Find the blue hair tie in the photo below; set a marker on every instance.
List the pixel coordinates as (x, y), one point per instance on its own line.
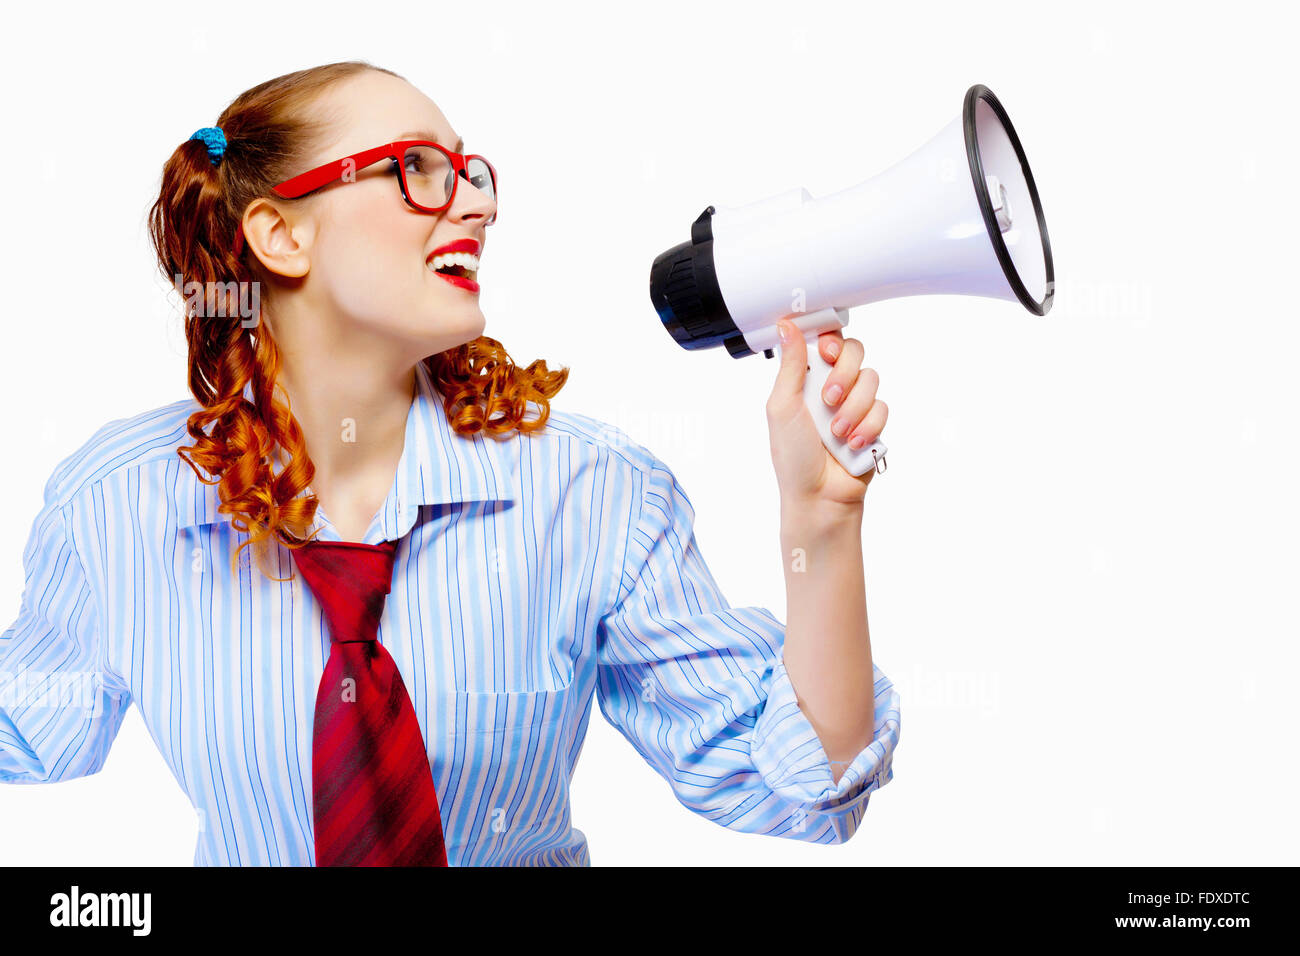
(214, 139)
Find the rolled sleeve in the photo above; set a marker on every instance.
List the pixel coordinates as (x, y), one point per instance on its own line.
(58, 714)
(789, 754)
(700, 690)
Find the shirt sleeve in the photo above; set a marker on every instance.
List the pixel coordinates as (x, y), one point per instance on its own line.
(700, 690)
(58, 715)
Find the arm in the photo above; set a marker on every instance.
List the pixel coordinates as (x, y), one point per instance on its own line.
(58, 717)
(701, 691)
(827, 643)
(828, 648)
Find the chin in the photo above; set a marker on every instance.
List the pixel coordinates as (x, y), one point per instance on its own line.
(463, 324)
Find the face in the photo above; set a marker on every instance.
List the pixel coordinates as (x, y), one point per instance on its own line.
(365, 251)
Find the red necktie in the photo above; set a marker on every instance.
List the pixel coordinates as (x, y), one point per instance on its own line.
(372, 787)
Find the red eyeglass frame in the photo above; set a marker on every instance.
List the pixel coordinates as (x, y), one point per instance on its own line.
(326, 173)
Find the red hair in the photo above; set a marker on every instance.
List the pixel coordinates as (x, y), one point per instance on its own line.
(269, 130)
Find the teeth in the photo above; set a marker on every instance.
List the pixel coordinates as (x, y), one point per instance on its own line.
(465, 259)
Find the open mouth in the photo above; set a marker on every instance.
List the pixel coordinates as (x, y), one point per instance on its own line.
(460, 265)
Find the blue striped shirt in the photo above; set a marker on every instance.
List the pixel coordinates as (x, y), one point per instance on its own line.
(530, 573)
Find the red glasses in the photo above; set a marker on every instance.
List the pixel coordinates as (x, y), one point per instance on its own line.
(427, 174)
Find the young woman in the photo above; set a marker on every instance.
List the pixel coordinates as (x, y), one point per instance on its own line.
(357, 427)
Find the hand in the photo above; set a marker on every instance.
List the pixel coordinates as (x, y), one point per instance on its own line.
(807, 474)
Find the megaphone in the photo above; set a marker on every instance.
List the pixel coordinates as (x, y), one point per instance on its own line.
(961, 216)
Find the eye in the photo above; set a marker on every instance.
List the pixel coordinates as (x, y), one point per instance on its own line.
(414, 159)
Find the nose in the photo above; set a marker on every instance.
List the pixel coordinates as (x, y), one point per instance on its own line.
(472, 201)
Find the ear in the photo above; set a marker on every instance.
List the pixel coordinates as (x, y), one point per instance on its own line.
(282, 245)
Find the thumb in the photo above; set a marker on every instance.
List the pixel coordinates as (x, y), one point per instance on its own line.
(794, 362)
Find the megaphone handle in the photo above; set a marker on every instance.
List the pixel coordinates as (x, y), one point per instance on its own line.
(855, 462)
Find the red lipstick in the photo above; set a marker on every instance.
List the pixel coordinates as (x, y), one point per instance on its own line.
(460, 245)
(470, 246)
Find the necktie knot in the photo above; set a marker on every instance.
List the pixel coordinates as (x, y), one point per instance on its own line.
(351, 581)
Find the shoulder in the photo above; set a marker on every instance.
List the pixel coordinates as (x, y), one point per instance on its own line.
(573, 433)
(631, 476)
(120, 445)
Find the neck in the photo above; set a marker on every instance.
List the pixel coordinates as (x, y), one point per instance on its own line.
(353, 420)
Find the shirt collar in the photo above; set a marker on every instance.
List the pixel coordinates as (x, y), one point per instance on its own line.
(438, 466)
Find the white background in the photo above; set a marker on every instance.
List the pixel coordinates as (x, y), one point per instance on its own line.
(1081, 562)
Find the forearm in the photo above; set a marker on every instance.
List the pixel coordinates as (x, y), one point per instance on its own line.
(827, 643)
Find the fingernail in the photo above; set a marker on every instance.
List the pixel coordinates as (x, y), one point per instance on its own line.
(833, 394)
(833, 348)
(783, 328)
(858, 442)
(839, 427)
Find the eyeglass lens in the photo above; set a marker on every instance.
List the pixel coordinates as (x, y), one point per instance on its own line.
(430, 176)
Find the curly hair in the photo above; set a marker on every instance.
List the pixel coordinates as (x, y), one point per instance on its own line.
(269, 130)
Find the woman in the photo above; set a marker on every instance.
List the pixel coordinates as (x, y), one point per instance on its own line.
(360, 429)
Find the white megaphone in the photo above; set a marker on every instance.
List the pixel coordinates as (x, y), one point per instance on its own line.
(961, 215)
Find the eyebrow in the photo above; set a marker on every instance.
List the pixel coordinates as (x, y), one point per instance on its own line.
(432, 137)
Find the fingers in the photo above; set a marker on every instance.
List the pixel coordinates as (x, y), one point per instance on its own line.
(861, 415)
(851, 391)
(830, 344)
(794, 363)
(842, 376)
(871, 427)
